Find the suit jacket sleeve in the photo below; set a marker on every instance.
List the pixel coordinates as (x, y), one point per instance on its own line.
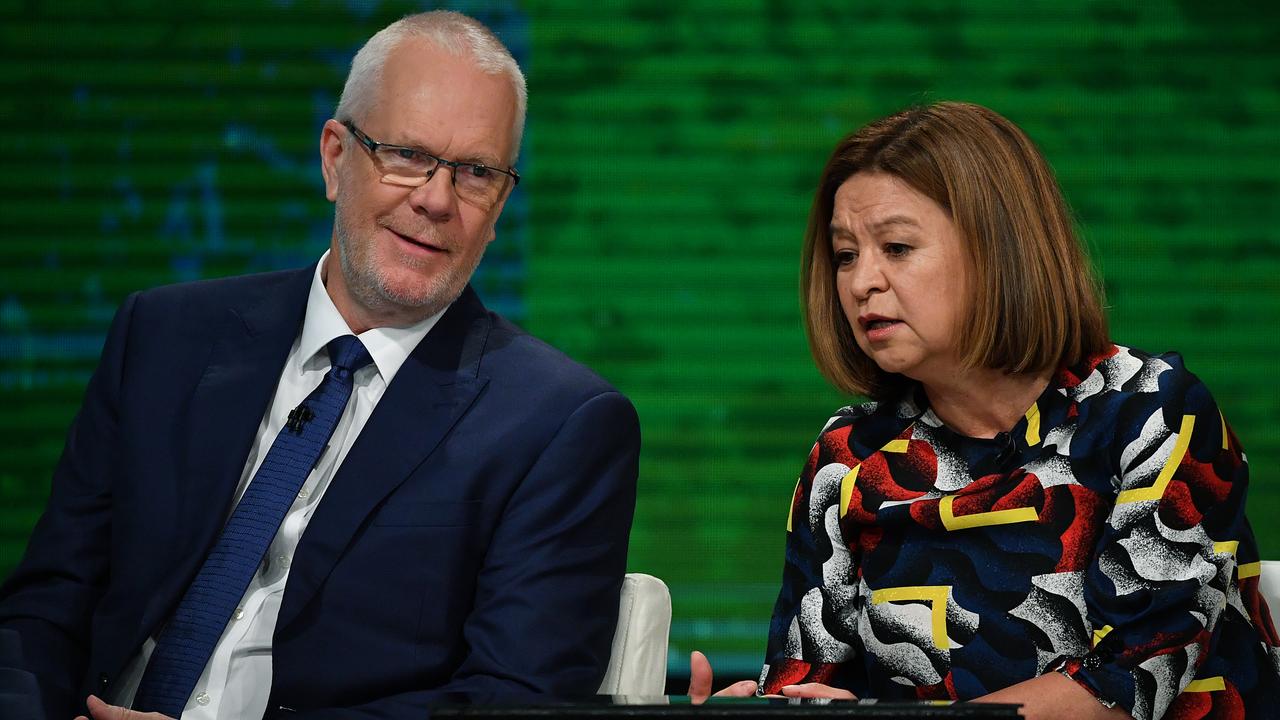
(547, 596)
(50, 598)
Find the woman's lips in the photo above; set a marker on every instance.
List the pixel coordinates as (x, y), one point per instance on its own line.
(878, 330)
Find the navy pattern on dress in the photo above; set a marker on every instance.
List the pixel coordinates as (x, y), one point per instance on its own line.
(1103, 536)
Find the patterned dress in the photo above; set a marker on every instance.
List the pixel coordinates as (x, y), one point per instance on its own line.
(1103, 537)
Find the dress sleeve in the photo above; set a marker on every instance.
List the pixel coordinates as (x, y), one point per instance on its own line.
(1173, 563)
(811, 634)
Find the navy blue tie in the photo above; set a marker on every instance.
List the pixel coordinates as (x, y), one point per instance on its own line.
(187, 641)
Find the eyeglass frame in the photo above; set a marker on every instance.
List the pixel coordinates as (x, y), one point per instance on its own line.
(372, 146)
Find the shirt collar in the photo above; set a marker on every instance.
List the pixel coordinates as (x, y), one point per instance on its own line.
(388, 346)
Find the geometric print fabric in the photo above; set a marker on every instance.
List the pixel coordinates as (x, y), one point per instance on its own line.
(1103, 535)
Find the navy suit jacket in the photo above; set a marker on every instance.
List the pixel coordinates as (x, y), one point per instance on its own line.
(473, 540)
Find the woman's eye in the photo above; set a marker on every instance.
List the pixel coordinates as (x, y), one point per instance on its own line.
(844, 257)
(896, 249)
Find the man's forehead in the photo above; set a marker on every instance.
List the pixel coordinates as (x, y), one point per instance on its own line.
(428, 96)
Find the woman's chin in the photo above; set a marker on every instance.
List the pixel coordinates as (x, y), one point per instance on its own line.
(895, 363)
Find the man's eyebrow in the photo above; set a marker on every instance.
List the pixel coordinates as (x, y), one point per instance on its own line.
(481, 160)
(470, 159)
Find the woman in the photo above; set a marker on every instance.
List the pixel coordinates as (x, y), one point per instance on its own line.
(1025, 512)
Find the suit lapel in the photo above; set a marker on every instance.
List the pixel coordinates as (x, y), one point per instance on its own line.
(431, 391)
(226, 409)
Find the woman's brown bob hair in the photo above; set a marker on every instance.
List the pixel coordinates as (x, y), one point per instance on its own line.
(1036, 304)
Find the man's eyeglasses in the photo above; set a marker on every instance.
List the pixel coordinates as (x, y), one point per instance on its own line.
(477, 184)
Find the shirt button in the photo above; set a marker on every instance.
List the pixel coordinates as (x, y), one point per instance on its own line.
(304, 494)
(284, 561)
(202, 699)
(239, 613)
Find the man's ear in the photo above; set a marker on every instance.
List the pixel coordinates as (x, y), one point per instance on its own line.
(331, 156)
(497, 213)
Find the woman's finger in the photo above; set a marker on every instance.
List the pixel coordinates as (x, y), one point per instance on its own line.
(699, 678)
(817, 690)
(742, 688)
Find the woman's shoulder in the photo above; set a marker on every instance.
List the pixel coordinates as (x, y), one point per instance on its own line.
(1125, 370)
(861, 426)
(851, 414)
(1134, 384)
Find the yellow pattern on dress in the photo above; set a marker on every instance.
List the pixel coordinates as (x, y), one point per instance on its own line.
(935, 595)
(1155, 492)
(1100, 633)
(846, 489)
(1033, 425)
(995, 517)
(1209, 684)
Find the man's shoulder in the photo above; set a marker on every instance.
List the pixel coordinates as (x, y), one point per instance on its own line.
(517, 356)
(235, 289)
(198, 307)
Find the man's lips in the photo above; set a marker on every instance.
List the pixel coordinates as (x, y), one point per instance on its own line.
(417, 241)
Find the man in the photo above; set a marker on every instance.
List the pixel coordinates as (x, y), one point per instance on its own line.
(466, 511)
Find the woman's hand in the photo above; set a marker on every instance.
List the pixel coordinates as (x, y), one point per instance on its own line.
(816, 690)
(1053, 696)
(99, 710)
(700, 681)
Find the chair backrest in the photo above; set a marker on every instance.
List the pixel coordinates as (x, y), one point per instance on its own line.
(1269, 586)
(638, 662)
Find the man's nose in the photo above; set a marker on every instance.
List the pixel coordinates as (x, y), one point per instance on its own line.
(436, 197)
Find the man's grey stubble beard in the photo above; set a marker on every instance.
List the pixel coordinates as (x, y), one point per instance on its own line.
(370, 287)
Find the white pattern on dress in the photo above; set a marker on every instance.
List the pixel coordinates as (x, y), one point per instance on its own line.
(1039, 611)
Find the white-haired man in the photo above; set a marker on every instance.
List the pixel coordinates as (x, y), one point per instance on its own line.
(347, 489)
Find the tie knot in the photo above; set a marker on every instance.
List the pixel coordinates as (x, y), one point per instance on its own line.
(348, 353)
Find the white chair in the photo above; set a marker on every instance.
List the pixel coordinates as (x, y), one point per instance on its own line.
(1269, 586)
(638, 662)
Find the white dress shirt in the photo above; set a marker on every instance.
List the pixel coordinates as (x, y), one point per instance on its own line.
(236, 682)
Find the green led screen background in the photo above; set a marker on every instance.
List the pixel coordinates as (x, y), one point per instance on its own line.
(669, 161)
